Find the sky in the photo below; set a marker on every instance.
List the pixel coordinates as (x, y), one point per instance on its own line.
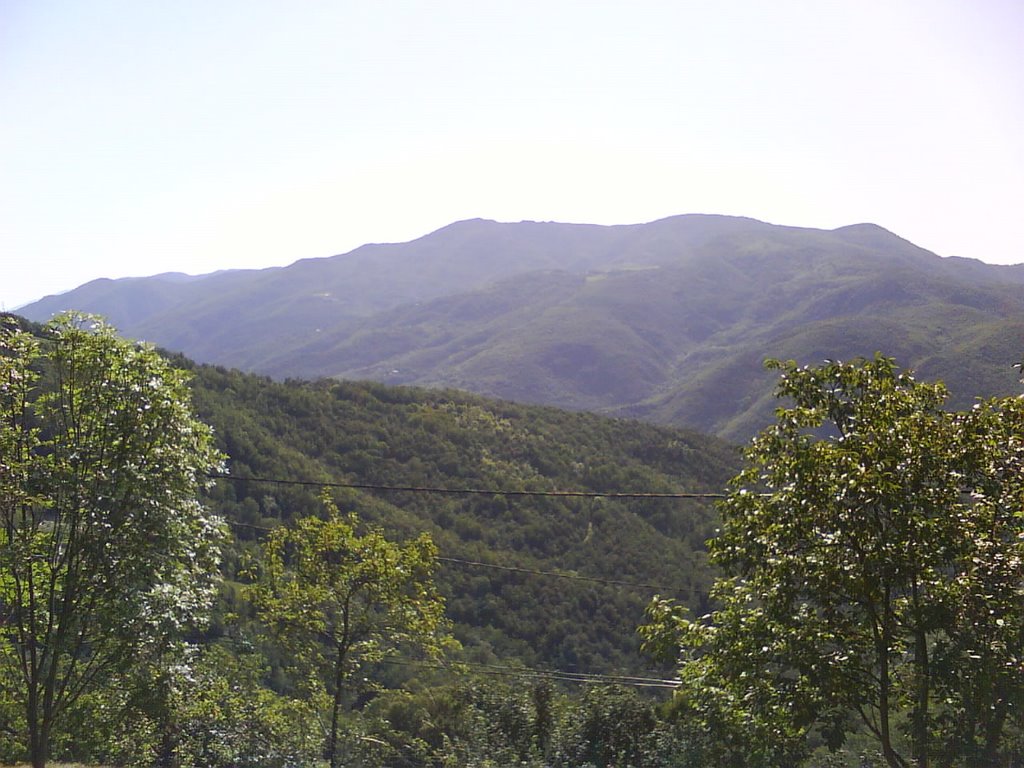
(197, 135)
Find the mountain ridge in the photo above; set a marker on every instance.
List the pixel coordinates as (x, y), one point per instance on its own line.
(628, 319)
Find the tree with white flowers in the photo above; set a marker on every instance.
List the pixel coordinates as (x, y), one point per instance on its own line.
(105, 549)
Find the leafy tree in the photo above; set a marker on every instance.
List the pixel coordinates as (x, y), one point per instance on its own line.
(527, 723)
(979, 660)
(225, 718)
(609, 726)
(338, 598)
(104, 548)
(873, 559)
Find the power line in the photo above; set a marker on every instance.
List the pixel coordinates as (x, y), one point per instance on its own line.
(240, 524)
(530, 673)
(495, 669)
(472, 491)
(556, 574)
(584, 675)
(520, 569)
(514, 568)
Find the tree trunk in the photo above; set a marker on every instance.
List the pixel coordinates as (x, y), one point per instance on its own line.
(883, 634)
(339, 677)
(891, 758)
(168, 742)
(37, 730)
(39, 739)
(923, 684)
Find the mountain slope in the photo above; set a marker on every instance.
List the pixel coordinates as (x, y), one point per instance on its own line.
(374, 435)
(668, 321)
(684, 342)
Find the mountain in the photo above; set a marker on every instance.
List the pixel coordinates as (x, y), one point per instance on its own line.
(668, 321)
(498, 548)
(554, 528)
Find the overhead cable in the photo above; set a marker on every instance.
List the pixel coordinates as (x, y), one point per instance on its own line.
(518, 569)
(542, 674)
(557, 574)
(472, 491)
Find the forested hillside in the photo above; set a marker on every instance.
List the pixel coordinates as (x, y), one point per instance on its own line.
(368, 434)
(393, 575)
(668, 321)
(534, 537)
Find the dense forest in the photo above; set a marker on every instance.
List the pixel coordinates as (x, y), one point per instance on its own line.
(553, 530)
(365, 434)
(202, 567)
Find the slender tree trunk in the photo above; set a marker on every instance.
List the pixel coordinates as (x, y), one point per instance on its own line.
(542, 719)
(36, 735)
(165, 752)
(882, 627)
(339, 677)
(923, 685)
(39, 744)
(891, 758)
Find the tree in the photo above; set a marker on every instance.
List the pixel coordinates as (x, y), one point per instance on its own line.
(873, 561)
(225, 718)
(338, 598)
(610, 726)
(104, 548)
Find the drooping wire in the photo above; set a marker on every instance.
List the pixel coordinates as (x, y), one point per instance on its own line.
(473, 491)
(556, 574)
(496, 669)
(519, 569)
(541, 674)
(479, 564)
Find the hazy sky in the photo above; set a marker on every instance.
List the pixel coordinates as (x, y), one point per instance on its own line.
(142, 137)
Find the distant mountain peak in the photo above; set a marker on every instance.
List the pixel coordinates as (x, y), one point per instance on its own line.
(669, 320)
(874, 235)
(865, 227)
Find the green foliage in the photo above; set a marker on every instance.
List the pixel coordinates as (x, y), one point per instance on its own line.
(105, 551)
(372, 434)
(338, 599)
(12, 717)
(196, 707)
(612, 727)
(494, 724)
(872, 552)
(224, 717)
